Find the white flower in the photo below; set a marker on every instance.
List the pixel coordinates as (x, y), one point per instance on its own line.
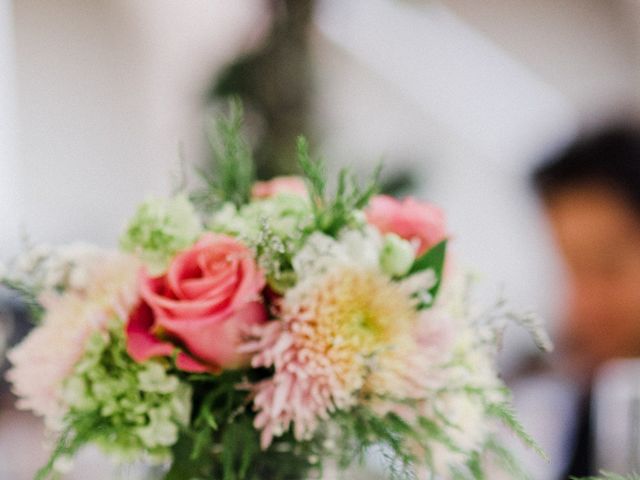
(358, 248)
(181, 404)
(161, 430)
(362, 246)
(228, 219)
(47, 268)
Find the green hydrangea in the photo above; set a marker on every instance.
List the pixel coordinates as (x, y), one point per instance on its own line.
(287, 215)
(139, 407)
(160, 228)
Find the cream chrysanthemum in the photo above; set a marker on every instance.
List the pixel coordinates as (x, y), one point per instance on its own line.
(333, 331)
(48, 354)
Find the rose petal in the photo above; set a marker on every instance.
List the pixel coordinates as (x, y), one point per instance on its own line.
(410, 219)
(189, 364)
(215, 339)
(156, 296)
(286, 184)
(141, 344)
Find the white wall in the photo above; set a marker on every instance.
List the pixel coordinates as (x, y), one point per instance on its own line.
(107, 92)
(9, 188)
(584, 48)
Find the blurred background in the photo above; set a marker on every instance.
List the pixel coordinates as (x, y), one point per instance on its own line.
(105, 102)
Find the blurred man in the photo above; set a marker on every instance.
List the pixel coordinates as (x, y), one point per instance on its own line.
(591, 195)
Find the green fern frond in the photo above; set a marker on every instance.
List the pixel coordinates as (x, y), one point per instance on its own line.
(333, 212)
(229, 175)
(505, 413)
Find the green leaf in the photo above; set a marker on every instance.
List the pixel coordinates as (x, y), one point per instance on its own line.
(434, 260)
(184, 466)
(241, 445)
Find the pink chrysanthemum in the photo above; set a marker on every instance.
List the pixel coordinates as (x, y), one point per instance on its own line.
(47, 356)
(344, 336)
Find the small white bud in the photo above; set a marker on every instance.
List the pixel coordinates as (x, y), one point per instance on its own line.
(397, 255)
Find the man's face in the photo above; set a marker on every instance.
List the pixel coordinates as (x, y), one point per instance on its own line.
(598, 235)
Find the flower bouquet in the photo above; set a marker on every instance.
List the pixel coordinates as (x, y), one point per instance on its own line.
(266, 330)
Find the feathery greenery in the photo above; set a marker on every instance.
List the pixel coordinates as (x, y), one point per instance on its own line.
(505, 413)
(406, 444)
(505, 459)
(229, 175)
(333, 212)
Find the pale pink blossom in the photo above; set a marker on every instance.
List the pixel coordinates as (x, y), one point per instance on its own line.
(348, 331)
(291, 185)
(420, 223)
(42, 361)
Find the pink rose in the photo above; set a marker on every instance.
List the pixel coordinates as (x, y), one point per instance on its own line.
(420, 223)
(201, 306)
(291, 185)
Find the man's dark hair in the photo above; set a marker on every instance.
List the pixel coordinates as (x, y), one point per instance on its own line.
(610, 158)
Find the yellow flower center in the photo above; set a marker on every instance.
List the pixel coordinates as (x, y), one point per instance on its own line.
(363, 312)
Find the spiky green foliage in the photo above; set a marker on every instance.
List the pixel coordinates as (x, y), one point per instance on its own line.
(505, 413)
(361, 430)
(333, 212)
(230, 173)
(222, 442)
(405, 444)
